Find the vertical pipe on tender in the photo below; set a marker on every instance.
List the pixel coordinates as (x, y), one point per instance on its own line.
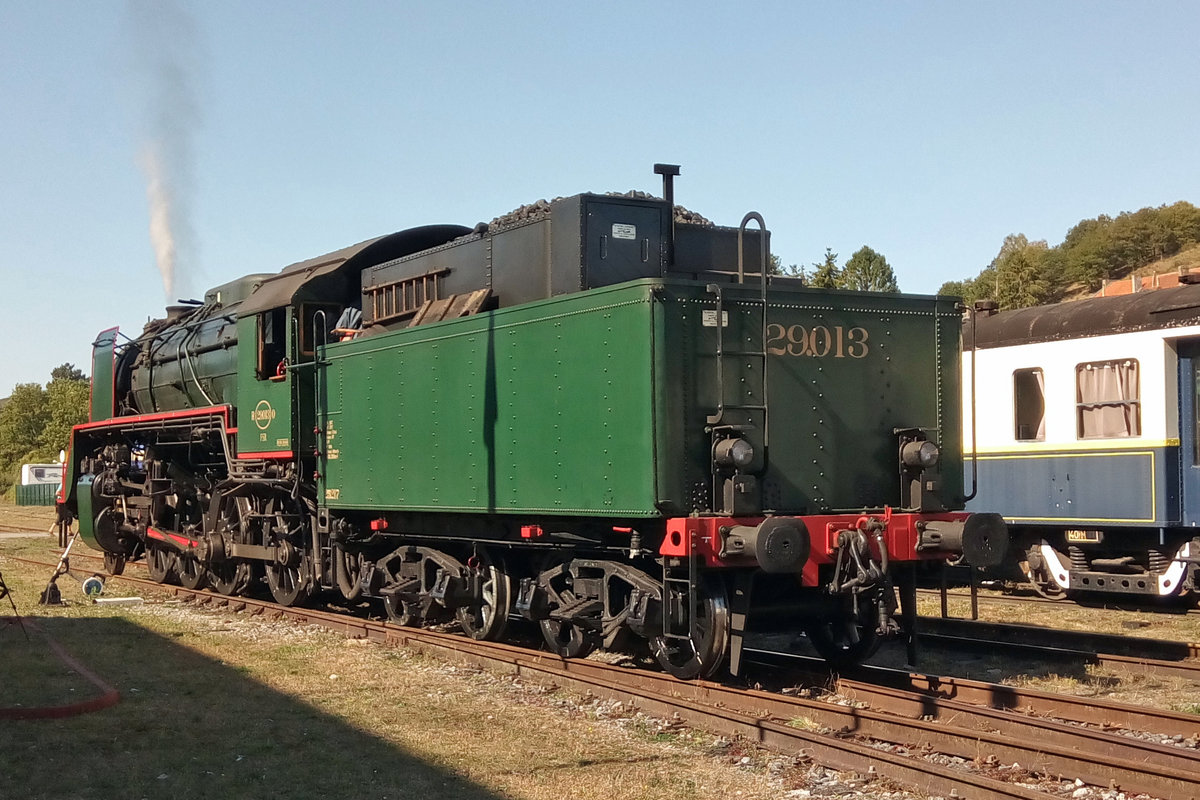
(668, 172)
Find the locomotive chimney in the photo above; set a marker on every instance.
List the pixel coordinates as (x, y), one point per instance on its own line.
(668, 172)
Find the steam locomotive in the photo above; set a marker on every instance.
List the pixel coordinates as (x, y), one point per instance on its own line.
(600, 413)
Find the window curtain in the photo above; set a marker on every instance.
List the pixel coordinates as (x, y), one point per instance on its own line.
(1107, 395)
(1041, 384)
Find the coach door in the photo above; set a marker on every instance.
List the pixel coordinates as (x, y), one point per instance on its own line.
(1189, 430)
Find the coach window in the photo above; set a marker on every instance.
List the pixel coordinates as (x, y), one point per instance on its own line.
(1106, 399)
(1029, 405)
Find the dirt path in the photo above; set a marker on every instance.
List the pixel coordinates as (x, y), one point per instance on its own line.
(26, 519)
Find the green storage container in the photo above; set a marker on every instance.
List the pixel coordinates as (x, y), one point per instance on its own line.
(37, 494)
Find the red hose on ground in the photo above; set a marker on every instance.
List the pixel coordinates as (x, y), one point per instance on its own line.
(108, 697)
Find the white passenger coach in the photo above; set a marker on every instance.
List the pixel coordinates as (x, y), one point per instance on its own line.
(1087, 439)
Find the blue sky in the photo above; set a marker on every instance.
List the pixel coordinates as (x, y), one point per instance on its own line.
(928, 131)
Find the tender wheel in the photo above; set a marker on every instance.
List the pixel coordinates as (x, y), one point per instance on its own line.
(114, 563)
(402, 612)
(159, 563)
(487, 619)
(345, 569)
(840, 636)
(564, 638)
(706, 651)
(568, 640)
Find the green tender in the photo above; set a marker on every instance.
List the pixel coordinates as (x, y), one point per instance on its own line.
(595, 403)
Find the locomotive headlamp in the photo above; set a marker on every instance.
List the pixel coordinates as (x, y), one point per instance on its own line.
(733, 453)
(920, 454)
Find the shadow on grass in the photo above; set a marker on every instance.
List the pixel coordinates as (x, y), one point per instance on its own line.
(188, 726)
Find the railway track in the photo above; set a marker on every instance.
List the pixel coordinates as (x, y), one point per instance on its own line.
(878, 733)
(1126, 654)
(16, 522)
(1109, 603)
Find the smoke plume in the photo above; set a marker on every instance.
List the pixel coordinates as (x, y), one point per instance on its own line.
(158, 197)
(165, 44)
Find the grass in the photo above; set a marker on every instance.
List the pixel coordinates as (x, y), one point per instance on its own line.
(33, 675)
(804, 724)
(1082, 679)
(227, 705)
(1071, 616)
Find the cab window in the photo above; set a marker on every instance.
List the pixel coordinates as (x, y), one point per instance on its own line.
(272, 343)
(309, 315)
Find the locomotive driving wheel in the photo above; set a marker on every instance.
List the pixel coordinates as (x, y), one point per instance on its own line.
(227, 575)
(287, 576)
(705, 651)
(159, 563)
(191, 571)
(487, 618)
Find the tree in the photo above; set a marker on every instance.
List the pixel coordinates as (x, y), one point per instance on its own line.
(21, 423)
(67, 372)
(67, 400)
(868, 271)
(1093, 250)
(775, 267)
(1018, 269)
(826, 274)
(36, 422)
(962, 288)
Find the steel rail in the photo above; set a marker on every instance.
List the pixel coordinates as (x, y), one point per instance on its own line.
(763, 717)
(707, 706)
(1112, 603)
(1098, 711)
(1016, 632)
(1054, 644)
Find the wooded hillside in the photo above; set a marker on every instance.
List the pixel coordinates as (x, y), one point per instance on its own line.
(1026, 273)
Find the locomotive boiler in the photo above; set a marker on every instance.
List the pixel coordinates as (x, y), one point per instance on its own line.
(601, 414)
